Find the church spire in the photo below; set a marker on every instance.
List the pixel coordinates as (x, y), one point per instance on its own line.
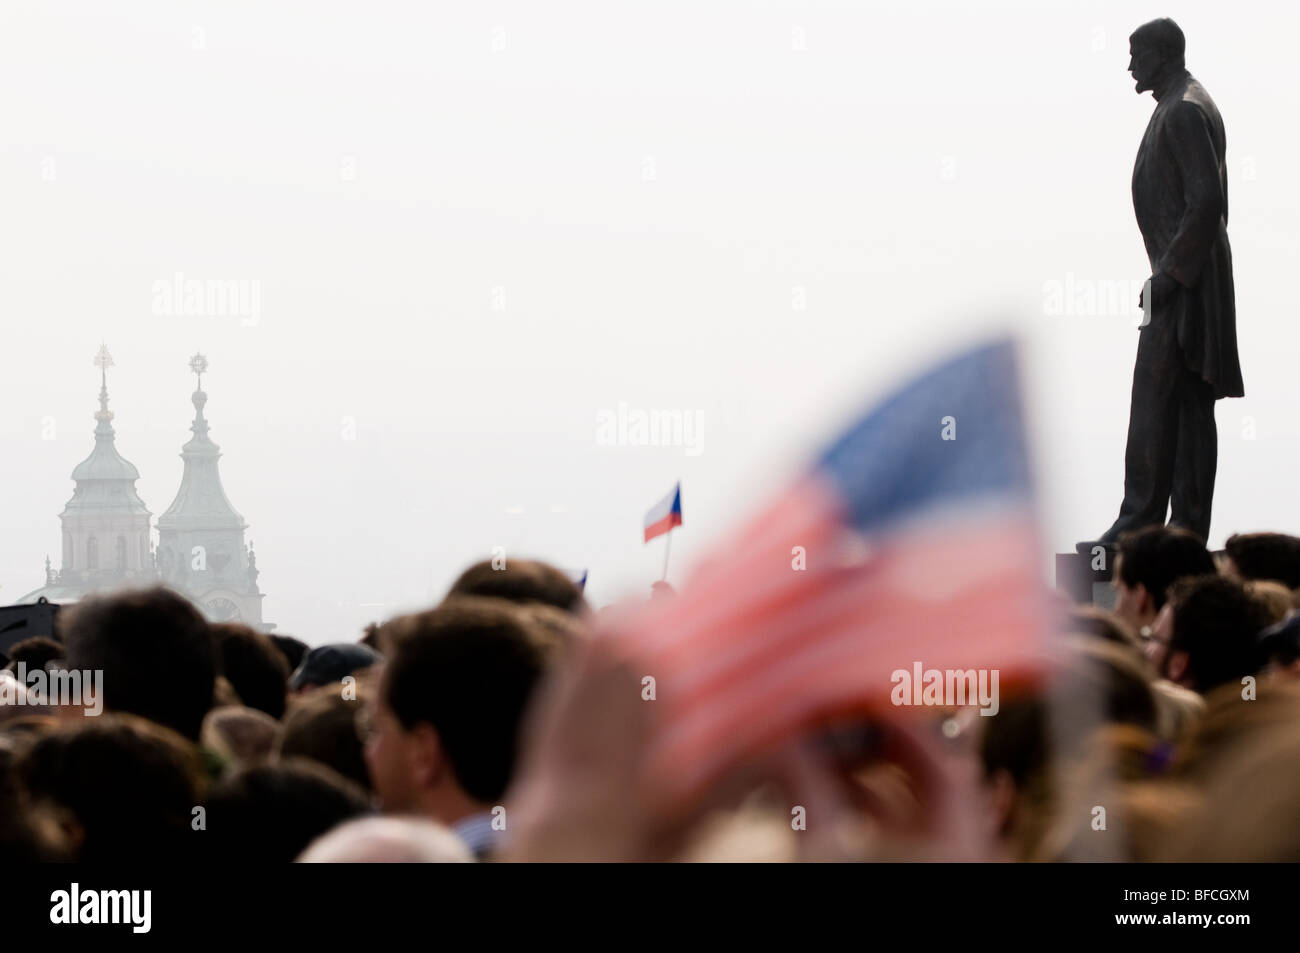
(201, 549)
(104, 462)
(199, 364)
(201, 501)
(103, 360)
(105, 524)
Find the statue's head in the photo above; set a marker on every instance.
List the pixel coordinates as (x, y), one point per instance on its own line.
(1155, 51)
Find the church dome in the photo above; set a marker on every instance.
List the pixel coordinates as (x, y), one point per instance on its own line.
(104, 462)
(105, 480)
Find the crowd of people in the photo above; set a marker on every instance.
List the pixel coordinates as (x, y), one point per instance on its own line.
(482, 729)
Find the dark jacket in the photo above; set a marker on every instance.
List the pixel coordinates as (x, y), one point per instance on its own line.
(1180, 195)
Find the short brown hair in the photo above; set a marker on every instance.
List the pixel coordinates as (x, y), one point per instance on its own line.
(1217, 623)
(521, 580)
(129, 785)
(321, 726)
(154, 649)
(468, 668)
(253, 665)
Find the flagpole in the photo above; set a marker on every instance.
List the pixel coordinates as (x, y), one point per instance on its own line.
(668, 545)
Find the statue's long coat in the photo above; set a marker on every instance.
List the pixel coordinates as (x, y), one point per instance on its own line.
(1180, 195)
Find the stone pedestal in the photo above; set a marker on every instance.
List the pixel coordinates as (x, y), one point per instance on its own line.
(1086, 578)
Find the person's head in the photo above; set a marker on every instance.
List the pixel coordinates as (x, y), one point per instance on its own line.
(1101, 624)
(521, 580)
(271, 813)
(370, 637)
(1102, 683)
(1274, 595)
(388, 840)
(254, 667)
(444, 730)
(35, 653)
(1208, 633)
(322, 726)
(560, 633)
(242, 737)
(1147, 562)
(154, 649)
(27, 833)
(1280, 645)
(1156, 49)
(1273, 556)
(120, 786)
(328, 665)
(291, 650)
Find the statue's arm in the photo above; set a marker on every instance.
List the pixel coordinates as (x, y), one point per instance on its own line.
(1204, 201)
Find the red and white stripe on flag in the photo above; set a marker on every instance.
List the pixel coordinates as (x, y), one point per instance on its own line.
(751, 652)
(664, 515)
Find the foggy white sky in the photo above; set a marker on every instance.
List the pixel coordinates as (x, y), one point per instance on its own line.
(645, 188)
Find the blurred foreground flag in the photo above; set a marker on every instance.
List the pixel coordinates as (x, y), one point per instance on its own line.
(665, 514)
(911, 541)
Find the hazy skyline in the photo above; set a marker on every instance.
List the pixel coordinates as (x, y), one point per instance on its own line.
(476, 235)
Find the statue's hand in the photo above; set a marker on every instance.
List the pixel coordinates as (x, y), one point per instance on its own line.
(1162, 288)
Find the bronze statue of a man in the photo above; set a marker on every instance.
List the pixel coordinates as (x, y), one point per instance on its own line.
(1187, 349)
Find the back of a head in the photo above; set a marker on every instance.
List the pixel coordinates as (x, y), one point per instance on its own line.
(27, 834)
(521, 580)
(330, 664)
(1273, 556)
(559, 632)
(388, 840)
(1157, 556)
(321, 726)
(241, 736)
(125, 786)
(468, 668)
(35, 653)
(1101, 686)
(291, 650)
(251, 663)
(1274, 595)
(271, 813)
(1217, 622)
(154, 649)
(370, 637)
(1099, 623)
(1280, 642)
(1110, 680)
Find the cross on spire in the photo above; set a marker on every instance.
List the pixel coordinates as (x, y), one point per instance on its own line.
(103, 360)
(199, 365)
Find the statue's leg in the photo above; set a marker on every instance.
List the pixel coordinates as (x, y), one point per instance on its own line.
(1197, 457)
(1152, 430)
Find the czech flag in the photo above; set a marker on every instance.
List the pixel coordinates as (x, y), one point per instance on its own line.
(912, 539)
(665, 514)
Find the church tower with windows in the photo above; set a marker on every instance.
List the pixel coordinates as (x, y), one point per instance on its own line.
(201, 549)
(105, 524)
